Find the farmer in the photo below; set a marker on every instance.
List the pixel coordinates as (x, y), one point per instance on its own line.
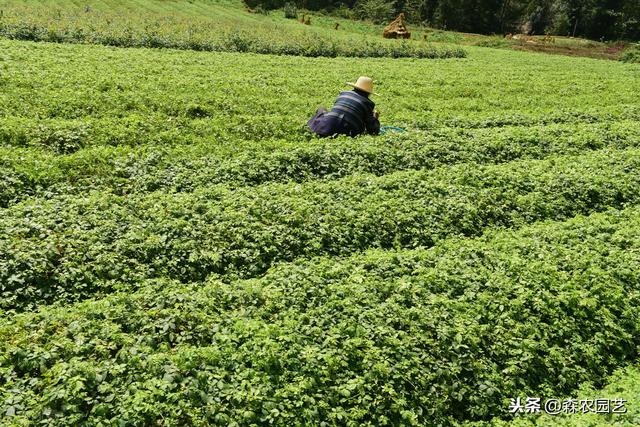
(351, 115)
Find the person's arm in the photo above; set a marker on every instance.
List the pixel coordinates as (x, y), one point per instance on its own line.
(373, 124)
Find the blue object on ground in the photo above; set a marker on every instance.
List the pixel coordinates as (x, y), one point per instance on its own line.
(385, 129)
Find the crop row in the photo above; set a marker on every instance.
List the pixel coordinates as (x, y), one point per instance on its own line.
(309, 45)
(74, 247)
(573, 116)
(199, 26)
(125, 170)
(103, 94)
(64, 136)
(417, 337)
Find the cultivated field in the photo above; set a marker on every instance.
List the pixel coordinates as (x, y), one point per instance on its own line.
(203, 25)
(177, 249)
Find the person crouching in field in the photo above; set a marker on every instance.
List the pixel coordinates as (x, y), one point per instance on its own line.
(352, 114)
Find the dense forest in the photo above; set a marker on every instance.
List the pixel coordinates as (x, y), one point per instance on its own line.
(595, 19)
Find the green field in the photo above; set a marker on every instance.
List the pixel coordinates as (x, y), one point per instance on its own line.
(226, 25)
(177, 249)
(200, 25)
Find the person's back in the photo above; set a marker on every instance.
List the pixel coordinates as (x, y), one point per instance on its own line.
(357, 110)
(352, 114)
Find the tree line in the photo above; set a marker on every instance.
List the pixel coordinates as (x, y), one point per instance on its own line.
(595, 19)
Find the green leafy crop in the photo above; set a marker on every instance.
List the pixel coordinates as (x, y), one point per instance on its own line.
(176, 248)
(409, 337)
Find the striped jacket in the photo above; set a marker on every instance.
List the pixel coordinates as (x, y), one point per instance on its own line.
(356, 113)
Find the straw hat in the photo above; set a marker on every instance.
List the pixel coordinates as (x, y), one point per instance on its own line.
(364, 83)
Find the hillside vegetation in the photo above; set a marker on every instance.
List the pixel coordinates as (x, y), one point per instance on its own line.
(595, 19)
(196, 25)
(229, 26)
(177, 249)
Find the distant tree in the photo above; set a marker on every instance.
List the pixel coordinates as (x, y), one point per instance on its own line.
(532, 16)
(596, 19)
(572, 17)
(266, 4)
(378, 11)
(628, 23)
(413, 9)
(290, 11)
